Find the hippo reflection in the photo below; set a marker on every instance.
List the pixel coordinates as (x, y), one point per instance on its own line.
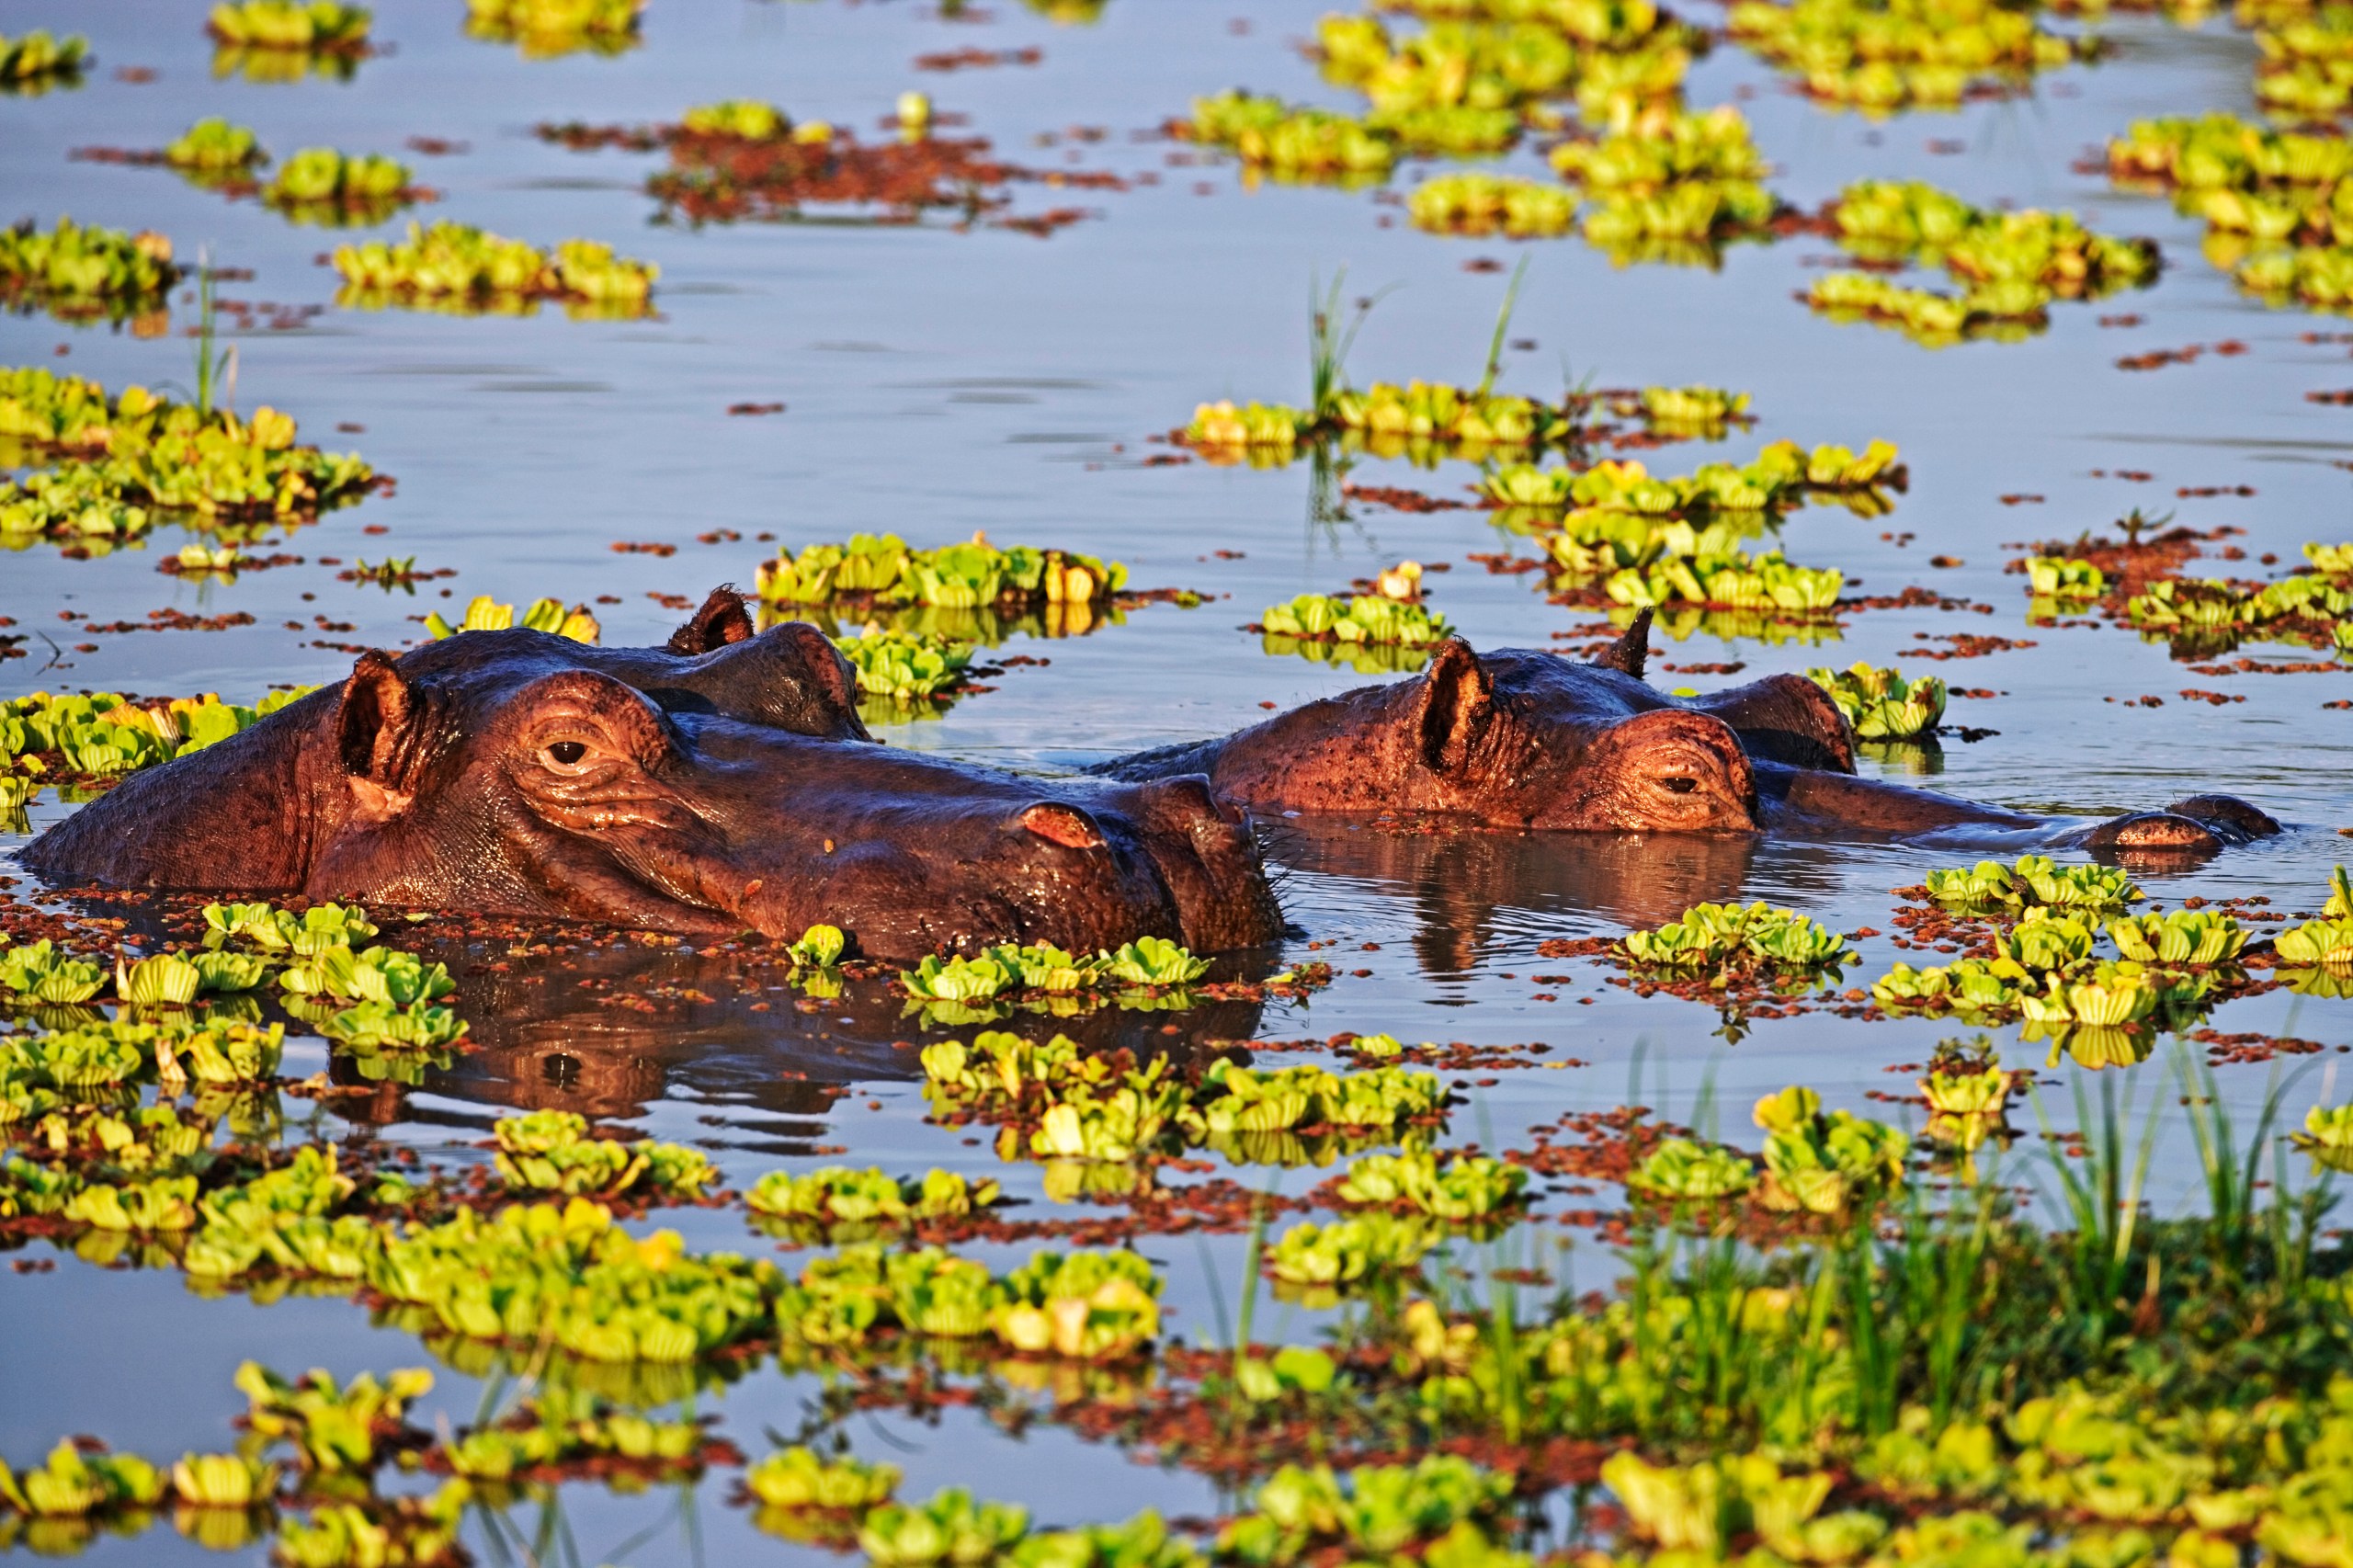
(721, 1027)
(706, 790)
(1523, 738)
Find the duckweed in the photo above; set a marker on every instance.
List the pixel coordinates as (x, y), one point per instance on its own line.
(1880, 704)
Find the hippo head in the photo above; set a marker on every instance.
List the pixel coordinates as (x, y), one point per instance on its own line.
(515, 773)
(1524, 738)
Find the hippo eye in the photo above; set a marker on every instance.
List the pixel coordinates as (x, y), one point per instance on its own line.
(566, 753)
(1680, 786)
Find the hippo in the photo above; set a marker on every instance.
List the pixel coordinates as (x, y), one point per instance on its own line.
(1523, 738)
(720, 785)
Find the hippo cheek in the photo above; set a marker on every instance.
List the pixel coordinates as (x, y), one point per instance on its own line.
(1204, 850)
(1667, 771)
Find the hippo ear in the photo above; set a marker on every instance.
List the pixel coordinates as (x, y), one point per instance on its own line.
(1631, 648)
(723, 619)
(1458, 700)
(376, 725)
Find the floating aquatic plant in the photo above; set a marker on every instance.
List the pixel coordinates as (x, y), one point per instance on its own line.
(37, 61)
(1888, 220)
(1881, 704)
(2035, 879)
(78, 274)
(1722, 935)
(1361, 618)
(1897, 53)
(2006, 312)
(796, 1478)
(215, 146)
(458, 268)
(486, 614)
(320, 185)
(551, 1150)
(1492, 204)
(1825, 1164)
(837, 1197)
(545, 28)
(1466, 1189)
(900, 670)
(968, 575)
(324, 25)
(76, 1483)
(1681, 1169)
(2059, 577)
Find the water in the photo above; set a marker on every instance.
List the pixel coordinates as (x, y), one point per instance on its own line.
(939, 383)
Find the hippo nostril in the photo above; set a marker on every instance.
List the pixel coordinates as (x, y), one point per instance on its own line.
(1680, 786)
(1065, 825)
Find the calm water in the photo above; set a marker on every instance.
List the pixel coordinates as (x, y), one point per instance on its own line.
(940, 382)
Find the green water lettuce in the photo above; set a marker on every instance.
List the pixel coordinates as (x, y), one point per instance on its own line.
(78, 272)
(458, 266)
(1900, 53)
(1881, 704)
(486, 614)
(37, 61)
(796, 1477)
(1492, 204)
(949, 1528)
(1320, 1261)
(2064, 577)
(1680, 1168)
(2181, 937)
(552, 1150)
(1824, 1165)
(1716, 936)
(1467, 1188)
(39, 971)
(1082, 1305)
(289, 24)
(969, 574)
(900, 669)
(1363, 618)
(569, 1276)
(545, 28)
(74, 1483)
(215, 146)
(323, 185)
(329, 1427)
(838, 1196)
